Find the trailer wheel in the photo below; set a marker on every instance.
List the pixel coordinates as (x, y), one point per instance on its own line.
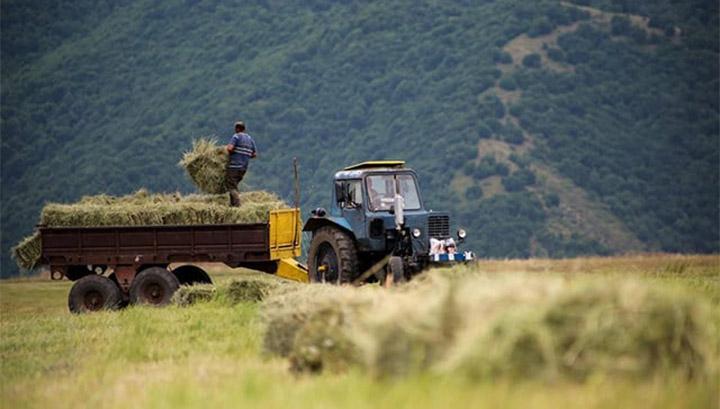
(94, 293)
(153, 286)
(332, 257)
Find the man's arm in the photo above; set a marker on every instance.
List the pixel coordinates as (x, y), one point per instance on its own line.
(231, 145)
(254, 149)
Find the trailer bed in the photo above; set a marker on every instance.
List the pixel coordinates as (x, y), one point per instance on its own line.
(230, 243)
(117, 246)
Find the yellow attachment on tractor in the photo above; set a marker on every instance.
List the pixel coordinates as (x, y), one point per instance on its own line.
(285, 227)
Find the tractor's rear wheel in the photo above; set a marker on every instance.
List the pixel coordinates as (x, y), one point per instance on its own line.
(153, 286)
(332, 257)
(94, 293)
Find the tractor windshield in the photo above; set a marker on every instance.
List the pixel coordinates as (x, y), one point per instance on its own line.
(382, 188)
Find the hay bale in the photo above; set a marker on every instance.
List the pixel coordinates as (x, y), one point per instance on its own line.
(188, 295)
(205, 163)
(27, 252)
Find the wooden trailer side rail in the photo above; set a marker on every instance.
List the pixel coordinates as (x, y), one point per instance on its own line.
(127, 245)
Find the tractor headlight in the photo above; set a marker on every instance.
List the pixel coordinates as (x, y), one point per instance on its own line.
(461, 233)
(416, 233)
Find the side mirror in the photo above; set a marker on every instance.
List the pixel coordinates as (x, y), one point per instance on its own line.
(340, 192)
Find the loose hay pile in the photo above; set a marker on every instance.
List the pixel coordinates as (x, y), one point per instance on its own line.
(322, 343)
(311, 325)
(188, 295)
(143, 208)
(492, 326)
(250, 290)
(205, 164)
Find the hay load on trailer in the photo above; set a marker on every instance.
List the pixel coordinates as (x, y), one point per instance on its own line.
(142, 208)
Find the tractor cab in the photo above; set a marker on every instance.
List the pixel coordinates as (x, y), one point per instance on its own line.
(378, 207)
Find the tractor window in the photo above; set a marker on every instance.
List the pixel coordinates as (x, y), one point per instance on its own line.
(355, 195)
(381, 191)
(409, 191)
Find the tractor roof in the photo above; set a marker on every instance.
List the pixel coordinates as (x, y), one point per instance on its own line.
(396, 164)
(360, 169)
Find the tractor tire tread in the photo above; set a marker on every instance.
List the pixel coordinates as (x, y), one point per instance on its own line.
(346, 252)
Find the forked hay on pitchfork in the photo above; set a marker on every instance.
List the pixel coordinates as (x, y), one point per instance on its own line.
(205, 164)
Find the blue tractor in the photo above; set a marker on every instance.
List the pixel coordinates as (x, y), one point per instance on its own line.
(378, 228)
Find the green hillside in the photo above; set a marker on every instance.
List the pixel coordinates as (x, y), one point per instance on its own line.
(546, 128)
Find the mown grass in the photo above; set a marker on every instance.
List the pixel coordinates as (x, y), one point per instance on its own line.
(210, 355)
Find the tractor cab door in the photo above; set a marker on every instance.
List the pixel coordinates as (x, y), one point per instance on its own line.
(352, 206)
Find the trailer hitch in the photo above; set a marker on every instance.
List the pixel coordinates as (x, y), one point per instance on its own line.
(373, 270)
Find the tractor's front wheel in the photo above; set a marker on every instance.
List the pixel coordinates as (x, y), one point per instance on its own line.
(332, 257)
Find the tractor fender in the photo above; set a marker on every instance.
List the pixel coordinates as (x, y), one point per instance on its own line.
(315, 223)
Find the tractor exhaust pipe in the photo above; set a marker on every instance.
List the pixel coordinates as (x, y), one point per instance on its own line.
(399, 208)
(296, 182)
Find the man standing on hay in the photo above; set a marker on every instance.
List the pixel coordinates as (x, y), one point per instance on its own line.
(241, 148)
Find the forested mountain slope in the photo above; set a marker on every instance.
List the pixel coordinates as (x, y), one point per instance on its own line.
(546, 128)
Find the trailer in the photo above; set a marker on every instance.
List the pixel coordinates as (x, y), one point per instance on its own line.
(119, 265)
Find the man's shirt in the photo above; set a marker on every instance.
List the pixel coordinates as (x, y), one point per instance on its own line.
(243, 149)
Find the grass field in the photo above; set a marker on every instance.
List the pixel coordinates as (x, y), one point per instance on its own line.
(210, 355)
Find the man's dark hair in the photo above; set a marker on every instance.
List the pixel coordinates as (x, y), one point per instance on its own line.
(240, 125)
